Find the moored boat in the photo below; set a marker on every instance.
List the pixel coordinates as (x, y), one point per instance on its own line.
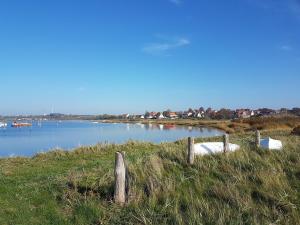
(15, 124)
(3, 125)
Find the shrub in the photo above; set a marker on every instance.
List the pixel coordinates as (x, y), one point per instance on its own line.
(296, 130)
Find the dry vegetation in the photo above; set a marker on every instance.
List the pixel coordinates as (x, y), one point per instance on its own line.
(296, 130)
(272, 122)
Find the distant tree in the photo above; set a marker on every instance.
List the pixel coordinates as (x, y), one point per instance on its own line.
(179, 114)
(224, 114)
(208, 112)
(165, 113)
(147, 114)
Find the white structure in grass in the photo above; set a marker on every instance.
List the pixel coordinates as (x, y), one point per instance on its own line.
(271, 144)
(213, 147)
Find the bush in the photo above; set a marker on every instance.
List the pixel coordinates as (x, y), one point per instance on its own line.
(296, 130)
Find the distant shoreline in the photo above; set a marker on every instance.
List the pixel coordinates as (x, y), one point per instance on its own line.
(229, 126)
(274, 122)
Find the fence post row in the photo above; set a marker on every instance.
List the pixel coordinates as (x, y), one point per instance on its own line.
(121, 188)
(191, 151)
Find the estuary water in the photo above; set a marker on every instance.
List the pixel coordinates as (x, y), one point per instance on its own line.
(48, 135)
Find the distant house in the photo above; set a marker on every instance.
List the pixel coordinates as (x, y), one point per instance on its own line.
(125, 116)
(190, 114)
(151, 115)
(198, 115)
(193, 114)
(172, 115)
(265, 112)
(256, 112)
(159, 116)
(244, 113)
(185, 114)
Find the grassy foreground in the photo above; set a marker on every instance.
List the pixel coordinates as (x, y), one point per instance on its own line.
(250, 186)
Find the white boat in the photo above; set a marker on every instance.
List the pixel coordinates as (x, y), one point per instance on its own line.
(3, 125)
(271, 144)
(207, 148)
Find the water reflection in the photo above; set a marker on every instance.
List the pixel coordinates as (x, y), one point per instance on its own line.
(166, 127)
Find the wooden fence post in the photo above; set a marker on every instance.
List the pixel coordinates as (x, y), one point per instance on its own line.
(257, 138)
(120, 179)
(126, 178)
(226, 142)
(191, 151)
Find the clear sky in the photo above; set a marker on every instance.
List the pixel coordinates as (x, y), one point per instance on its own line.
(117, 56)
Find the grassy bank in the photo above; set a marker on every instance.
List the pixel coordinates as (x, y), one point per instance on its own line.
(250, 186)
(229, 126)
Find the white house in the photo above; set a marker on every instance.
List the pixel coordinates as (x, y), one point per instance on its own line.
(160, 116)
(198, 115)
(172, 115)
(125, 116)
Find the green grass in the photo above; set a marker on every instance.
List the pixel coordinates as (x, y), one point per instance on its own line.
(250, 186)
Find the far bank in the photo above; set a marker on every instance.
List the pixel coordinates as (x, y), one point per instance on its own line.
(267, 123)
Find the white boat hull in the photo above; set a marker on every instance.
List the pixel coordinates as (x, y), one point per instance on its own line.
(272, 144)
(207, 148)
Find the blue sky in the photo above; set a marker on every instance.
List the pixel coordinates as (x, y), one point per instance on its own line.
(116, 56)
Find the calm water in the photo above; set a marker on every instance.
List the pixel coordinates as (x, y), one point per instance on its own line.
(48, 135)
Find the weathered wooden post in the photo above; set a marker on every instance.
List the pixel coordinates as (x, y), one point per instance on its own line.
(257, 138)
(226, 142)
(191, 151)
(120, 179)
(126, 178)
